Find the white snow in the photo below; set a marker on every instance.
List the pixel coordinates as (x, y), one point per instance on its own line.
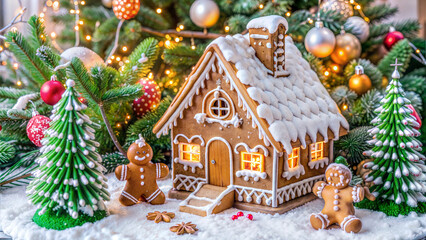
(293, 106)
(130, 222)
(270, 22)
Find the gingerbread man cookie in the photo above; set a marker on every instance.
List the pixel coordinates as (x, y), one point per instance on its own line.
(141, 176)
(339, 198)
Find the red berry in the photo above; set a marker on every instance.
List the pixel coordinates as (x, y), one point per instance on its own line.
(240, 214)
(249, 216)
(234, 217)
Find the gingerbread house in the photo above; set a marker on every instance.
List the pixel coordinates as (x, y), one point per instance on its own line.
(252, 127)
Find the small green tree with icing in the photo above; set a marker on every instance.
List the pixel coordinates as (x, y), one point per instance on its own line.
(69, 188)
(398, 169)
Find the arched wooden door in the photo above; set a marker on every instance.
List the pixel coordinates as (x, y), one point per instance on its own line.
(219, 163)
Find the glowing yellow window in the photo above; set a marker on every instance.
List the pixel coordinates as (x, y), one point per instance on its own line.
(293, 158)
(189, 152)
(252, 161)
(317, 151)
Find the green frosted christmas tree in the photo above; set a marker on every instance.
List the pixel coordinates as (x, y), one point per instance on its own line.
(69, 188)
(398, 170)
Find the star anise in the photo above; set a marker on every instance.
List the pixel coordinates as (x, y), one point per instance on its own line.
(160, 216)
(184, 228)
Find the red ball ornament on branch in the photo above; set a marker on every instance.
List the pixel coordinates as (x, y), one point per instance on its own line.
(51, 91)
(392, 38)
(36, 126)
(125, 9)
(149, 100)
(416, 116)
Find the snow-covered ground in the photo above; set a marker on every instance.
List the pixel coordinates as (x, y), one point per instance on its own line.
(130, 222)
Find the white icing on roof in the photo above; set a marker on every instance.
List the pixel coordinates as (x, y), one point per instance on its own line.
(270, 22)
(293, 106)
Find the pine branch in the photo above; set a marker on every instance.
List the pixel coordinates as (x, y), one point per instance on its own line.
(46, 54)
(78, 72)
(400, 50)
(26, 55)
(343, 95)
(352, 145)
(13, 93)
(125, 93)
(138, 67)
(112, 160)
(7, 152)
(38, 35)
(379, 12)
(183, 57)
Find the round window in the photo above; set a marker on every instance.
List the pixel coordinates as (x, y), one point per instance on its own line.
(219, 108)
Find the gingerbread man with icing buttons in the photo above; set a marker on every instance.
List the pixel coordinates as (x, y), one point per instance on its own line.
(141, 176)
(339, 198)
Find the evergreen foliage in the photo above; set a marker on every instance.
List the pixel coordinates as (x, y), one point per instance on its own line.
(401, 51)
(352, 145)
(7, 152)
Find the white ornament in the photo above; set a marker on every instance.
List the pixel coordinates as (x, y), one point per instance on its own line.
(359, 27)
(204, 13)
(87, 56)
(320, 40)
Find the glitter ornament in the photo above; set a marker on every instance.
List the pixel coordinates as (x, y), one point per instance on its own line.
(320, 40)
(36, 126)
(149, 100)
(347, 48)
(204, 13)
(341, 6)
(125, 9)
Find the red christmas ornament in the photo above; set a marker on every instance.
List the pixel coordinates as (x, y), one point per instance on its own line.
(392, 38)
(249, 216)
(234, 217)
(149, 100)
(240, 214)
(416, 116)
(51, 91)
(35, 128)
(125, 9)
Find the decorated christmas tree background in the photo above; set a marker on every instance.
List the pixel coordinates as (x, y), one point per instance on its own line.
(69, 187)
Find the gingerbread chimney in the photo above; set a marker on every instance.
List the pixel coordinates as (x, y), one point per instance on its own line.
(267, 39)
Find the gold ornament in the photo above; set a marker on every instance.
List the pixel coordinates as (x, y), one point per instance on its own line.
(347, 48)
(385, 82)
(360, 83)
(341, 6)
(204, 13)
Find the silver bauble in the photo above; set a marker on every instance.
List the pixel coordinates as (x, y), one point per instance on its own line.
(341, 6)
(204, 13)
(320, 41)
(359, 27)
(347, 48)
(87, 56)
(107, 3)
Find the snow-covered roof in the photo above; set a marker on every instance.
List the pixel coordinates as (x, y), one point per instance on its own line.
(269, 22)
(293, 106)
